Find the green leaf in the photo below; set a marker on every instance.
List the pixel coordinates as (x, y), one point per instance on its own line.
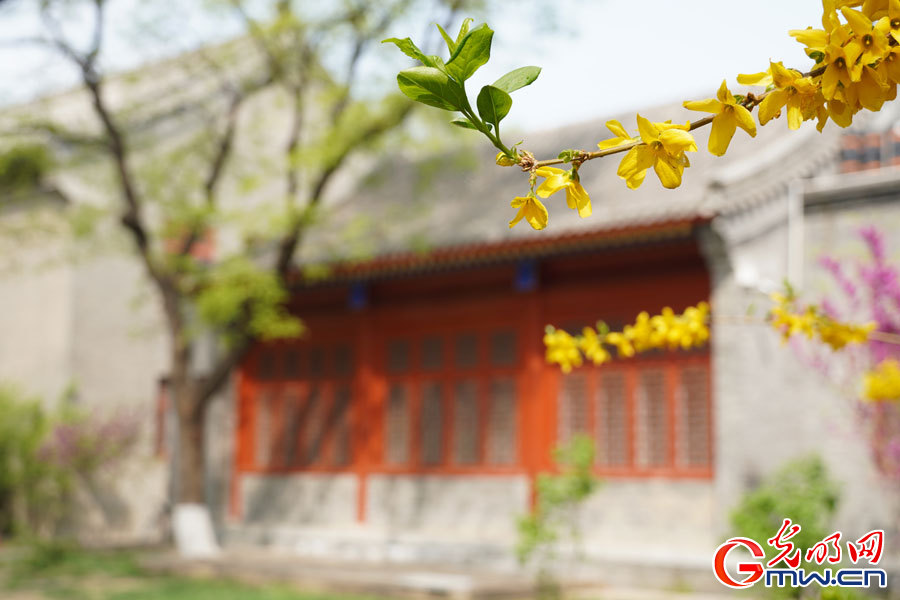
(408, 48)
(451, 44)
(493, 104)
(569, 155)
(464, 123)
(431, 86)
(464, 29)
(517, 78)
(473, 51)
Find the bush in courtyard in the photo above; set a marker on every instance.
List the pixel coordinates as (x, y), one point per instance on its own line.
(559, 496)
(802, 491)
(45, 452)
(28, 485)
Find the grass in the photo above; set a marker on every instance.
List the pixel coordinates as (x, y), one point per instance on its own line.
(57, 571)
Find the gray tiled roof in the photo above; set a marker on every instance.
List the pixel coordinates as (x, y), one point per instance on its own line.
(463, 206)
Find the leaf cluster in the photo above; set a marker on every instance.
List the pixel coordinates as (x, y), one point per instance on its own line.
(559, 495)
(238, 285)
(442, 84)
(22, 167)
(802, 491)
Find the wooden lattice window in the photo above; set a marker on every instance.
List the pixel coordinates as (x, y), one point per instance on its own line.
(695, 418)
(648, 416)
(652, 419)
(572, 411)
(396, 434)
(432, 429)
(302, 406)
(501, 439)
(459, 407)
(265, 426)
(613, 439)
(466, 424)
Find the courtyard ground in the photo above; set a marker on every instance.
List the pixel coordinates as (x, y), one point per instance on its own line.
(56, 572)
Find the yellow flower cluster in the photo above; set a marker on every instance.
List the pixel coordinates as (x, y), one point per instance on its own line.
(663, 147)
(856, 66)
(789, 320)
(729, 115)
(883, 382)
(666, 330)
(561, 349)
(534, 211)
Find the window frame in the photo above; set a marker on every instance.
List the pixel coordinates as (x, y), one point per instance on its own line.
(672, 364)
(483, 373)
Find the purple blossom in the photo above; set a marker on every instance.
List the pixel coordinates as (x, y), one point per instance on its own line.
(86, 443)
(872, 295)
(847, 286)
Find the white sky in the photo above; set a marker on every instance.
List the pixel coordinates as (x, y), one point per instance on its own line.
(602, 56)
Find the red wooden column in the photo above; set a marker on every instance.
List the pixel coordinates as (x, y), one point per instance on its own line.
(532, 439)
(243, 440)
(364, 410)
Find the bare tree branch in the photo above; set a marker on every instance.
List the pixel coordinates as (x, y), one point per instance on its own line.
(291, 241)
(131, 218)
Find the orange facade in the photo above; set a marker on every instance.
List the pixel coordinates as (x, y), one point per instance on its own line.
(443, 373)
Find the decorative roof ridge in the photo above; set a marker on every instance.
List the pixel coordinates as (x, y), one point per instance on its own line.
(497, 251)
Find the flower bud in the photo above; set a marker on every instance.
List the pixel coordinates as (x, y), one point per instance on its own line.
(505, 160)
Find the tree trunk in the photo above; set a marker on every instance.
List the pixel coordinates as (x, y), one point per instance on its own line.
(190, 470)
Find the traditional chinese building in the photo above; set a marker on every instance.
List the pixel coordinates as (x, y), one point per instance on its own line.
(410, 422)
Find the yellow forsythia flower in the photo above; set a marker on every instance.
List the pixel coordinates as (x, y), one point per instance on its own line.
(814, 324)
(592, 346)
(883, 383)
(622, 136)
(621, 342)
(557, 179)
(789, 323)
(837, 335)
(800, 94)
(666, 330)
(763, 79)
(729, 115)
(531, 209)
(561, 349)
(663, 149)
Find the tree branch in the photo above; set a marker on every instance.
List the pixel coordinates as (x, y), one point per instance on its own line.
(131, 218)
(291, 241)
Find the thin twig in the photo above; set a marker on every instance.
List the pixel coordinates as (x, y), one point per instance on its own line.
(749, 102)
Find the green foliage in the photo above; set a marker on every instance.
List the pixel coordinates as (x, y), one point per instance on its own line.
(431, 86)
(517, 78)
(238, 285)
(471, 53)
(802, 491)
(443, 85)
(42, 454)
(493, 104)
(66, 571)
(29, 486)
(22, 167)
(559, 496)
(56, 557)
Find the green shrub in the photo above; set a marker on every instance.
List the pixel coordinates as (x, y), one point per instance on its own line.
(28, 485)
(559, 495)
(801, 491)
(44, 453)
(23, 167)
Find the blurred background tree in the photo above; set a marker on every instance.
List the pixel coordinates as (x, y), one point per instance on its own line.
(236, 143)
